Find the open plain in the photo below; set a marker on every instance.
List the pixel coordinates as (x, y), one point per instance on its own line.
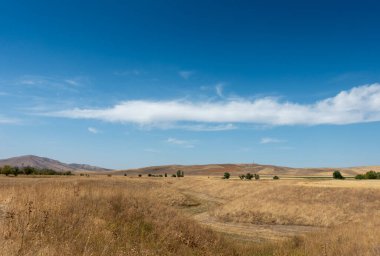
(199, 215)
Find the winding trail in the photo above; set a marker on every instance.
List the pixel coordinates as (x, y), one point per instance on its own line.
(202, 204)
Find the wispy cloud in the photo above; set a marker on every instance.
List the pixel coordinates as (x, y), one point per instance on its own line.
(182, 143)
(185, 74)
(219, 89)
(93, 130)
(51, 82)
(7, 120)
(207, 128)
(152, 150)
(357, 105)
(268, 140)
(129, 72)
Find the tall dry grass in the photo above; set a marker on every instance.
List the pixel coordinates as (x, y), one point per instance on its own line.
(124, 216)
(106, 216)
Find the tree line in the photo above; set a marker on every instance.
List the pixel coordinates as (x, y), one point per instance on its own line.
(29, 170)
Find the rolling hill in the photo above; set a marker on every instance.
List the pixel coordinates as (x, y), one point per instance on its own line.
(43, 162)
(237, 169)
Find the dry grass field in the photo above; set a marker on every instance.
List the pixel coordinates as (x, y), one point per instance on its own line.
(103, 215)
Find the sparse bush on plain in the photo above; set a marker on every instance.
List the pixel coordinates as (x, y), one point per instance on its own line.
(257, 177)
(242, 176)
(180, 173)
(276, 177)
(249, 176)
(338, 175)
(226, 175)
(370, 175)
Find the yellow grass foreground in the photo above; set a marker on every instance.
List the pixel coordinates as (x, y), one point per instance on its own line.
(187, 216)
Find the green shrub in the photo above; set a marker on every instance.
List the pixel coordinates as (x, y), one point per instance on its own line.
(180, 173)
(242, 177)
(371, 175)
(226, 175)
(173, 175)
(257, 177)
(360, 177)
(276, 177)
(140, 175)
(7, 170)
(249, 176)
(338, 175)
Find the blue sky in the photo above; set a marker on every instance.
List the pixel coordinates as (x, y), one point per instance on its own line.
(125, 84)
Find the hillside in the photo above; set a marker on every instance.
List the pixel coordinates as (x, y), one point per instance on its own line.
(236, 169)
(43, 162)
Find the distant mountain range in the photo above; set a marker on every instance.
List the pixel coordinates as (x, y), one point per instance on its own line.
(201, 170)
(43, 162)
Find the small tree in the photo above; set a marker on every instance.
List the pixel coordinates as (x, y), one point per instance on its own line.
(257, 177)
(7, 170)
(166, 175)
(180, 173)
(338, 175)
(125, 174)
(276, 177)
(226, 175)
(360, 177)
(371, 175)
(249, 176)
(242, 177)
(15, 171)
(139, 175)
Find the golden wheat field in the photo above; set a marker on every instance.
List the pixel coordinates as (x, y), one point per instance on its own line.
(120, 215)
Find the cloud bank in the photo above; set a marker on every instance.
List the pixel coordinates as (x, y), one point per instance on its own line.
(357, 105)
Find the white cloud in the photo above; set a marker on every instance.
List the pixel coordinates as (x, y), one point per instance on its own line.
(93, 130)
(268, 140)
(183, 143)
(358, 105)
(185, 74)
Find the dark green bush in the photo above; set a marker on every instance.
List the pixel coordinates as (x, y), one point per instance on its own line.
(276, 177)
(226, 175)
(338, 175)
(371, 175)
(249, 176)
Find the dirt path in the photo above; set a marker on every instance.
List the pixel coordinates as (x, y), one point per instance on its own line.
(2, 211)
(203, 204)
